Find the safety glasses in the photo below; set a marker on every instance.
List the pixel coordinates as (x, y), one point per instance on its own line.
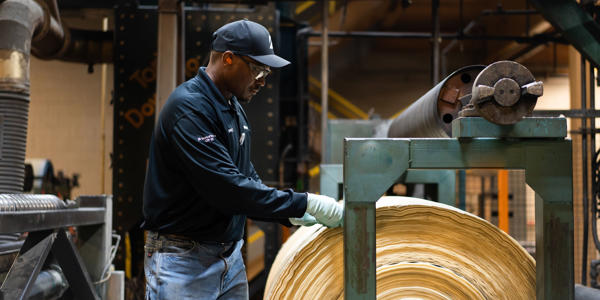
(259, 72)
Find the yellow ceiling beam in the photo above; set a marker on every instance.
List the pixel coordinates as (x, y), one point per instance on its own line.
(335, 97)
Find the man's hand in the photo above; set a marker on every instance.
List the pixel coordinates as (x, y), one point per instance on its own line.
(306, 220)
(325, 209)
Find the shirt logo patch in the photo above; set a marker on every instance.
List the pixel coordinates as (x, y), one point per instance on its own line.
(245, 127)
(230, 130)
(207, 139)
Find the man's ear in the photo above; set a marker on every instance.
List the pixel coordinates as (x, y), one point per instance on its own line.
(228, 58)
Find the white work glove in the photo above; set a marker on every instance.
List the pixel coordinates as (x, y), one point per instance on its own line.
(325, 209)
(306, 220)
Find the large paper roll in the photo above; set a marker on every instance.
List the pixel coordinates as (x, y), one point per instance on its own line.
(425, 250)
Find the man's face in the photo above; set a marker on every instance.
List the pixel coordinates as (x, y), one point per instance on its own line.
(249, 78)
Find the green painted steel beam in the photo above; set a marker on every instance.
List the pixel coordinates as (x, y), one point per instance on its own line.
(471, 127)
(575, 24)
(330, 178)
(467, 153)
(371, 166)
(445, 180)
(462, 189)
(339, 129)
(549, 173)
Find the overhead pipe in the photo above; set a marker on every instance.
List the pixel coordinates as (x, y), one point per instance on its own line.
(451, 45)
(500, 11)
(538, 38)
(50, 40)
(20, 18)
(471, 25)
(83, 46)
(33, 27)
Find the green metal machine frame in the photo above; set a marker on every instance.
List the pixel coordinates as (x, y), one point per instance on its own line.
(372, 165)
(332, 176)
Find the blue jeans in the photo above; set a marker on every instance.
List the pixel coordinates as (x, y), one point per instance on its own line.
(185, 269)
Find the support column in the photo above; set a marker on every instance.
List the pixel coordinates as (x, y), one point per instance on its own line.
(166, 70)
(549, 173)
(370, 168)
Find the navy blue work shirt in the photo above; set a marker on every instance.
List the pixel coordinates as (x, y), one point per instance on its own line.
(200, 182)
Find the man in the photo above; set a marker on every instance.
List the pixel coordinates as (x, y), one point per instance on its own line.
(200, 184)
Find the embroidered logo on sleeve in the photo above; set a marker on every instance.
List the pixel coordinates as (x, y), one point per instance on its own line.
(207, 139)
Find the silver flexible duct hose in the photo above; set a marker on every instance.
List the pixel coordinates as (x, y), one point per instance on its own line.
(14, 109)
(24, 202)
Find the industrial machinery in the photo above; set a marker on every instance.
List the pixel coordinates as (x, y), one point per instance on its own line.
(429, 116)
(433, 113)
(51, 261)
(504, 94)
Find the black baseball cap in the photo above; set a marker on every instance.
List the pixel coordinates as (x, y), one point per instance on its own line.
(247, 38)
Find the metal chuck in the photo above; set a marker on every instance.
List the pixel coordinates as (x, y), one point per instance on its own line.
(503, 93)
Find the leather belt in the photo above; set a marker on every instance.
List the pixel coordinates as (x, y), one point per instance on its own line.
(157, 235)
(175, 236)
(186, 238)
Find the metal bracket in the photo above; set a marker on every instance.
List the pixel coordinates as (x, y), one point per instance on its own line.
(32, 256)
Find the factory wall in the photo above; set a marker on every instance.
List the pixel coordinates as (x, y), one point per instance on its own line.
(65, 123)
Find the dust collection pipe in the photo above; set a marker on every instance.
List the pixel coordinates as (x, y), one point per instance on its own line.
(26, 27)
(31, 27)
(432, 114)
(19, 20)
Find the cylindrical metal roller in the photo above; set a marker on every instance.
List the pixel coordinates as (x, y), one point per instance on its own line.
(432, 114)
(503, 93)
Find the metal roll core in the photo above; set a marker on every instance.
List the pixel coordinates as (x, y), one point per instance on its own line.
(432, 114)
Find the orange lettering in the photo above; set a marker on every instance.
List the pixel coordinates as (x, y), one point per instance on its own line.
(134, 117)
